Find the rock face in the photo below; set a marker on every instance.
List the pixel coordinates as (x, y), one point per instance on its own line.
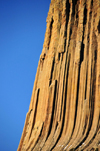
(64, 112)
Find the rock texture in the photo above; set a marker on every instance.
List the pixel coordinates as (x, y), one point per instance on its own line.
(64, 112)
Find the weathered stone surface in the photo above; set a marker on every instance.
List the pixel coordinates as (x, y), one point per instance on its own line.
(64, 112)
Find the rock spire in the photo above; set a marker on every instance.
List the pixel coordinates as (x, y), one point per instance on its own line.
(64, 112)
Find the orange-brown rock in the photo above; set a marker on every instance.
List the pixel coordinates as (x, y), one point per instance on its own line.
(64, 112)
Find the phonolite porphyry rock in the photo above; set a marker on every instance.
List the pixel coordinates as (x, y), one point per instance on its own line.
(64, 112)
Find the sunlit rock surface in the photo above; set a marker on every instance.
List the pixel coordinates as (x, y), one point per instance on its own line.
(64, 112)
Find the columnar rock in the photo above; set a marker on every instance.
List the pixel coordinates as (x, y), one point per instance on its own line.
(64, 112)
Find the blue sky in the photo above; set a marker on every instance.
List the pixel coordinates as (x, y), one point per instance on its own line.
(22, 31)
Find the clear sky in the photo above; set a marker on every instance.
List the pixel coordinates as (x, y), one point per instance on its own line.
(22, 31)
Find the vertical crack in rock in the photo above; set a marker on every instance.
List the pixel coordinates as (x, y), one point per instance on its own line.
(51, 26)
(64, 112)
(99, 27)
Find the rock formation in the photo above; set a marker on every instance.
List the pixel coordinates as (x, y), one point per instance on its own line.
(64, 112)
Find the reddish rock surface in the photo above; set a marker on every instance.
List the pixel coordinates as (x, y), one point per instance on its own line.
(64, 112)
